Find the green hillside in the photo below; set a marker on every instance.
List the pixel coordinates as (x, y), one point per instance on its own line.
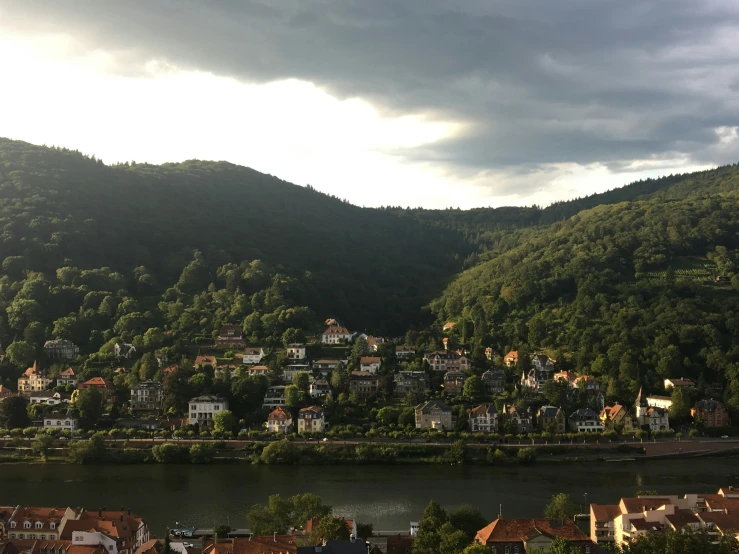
(366, 267)
(627, 292)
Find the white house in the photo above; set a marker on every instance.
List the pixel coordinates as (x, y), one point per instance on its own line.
(484, 419)
(370, 363)
(61, 349)
(204, 408)
(336, 334)
(49, 398)
(662, 402)
(124, 350)
(62, 422)
(95, 538)
(256, 370)
(585, 420)
(279, 421)
(296, 351)
(404, 352)
(253, 355)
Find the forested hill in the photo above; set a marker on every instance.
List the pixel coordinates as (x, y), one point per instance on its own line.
(60, 209)
(626, 292)
(493, 230)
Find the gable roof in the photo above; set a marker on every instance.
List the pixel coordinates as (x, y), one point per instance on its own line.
(483, 410)
(336, 330)
(426, 407)
(69, 372)
(370, 360)
(518, 530)
(280, 414)
(205, 360)
(270, 544)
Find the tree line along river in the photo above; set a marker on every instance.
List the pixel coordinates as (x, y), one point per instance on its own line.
(388, 496)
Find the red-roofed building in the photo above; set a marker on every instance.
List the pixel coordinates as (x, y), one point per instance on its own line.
(279, 421)
(617, 418)
(5, 392)
(336, 334)
(511, 358)
(105, 387)
(67, 377)
(521, 536)
(231, 336)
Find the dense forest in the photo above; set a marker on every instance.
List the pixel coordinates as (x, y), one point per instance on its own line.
(632, 285)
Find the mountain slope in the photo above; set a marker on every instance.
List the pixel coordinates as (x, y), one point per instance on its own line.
(367, 267)
(627, 292)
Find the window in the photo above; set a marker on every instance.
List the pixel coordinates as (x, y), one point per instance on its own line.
(587, 549)
(26, 524)
(43, 537)
(12, 524)
(515, 550)
(507, 550)
(12, 535)
(52, 525)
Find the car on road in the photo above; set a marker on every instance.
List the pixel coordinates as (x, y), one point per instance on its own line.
(724, 436)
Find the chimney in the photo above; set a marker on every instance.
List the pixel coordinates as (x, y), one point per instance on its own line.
(351, 538)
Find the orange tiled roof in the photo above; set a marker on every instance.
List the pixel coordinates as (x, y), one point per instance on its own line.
(270, 544)
(515, 530)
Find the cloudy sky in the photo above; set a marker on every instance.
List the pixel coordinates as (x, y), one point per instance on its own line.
(434, 103)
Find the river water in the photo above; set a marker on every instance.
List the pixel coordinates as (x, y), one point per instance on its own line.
(387, 496)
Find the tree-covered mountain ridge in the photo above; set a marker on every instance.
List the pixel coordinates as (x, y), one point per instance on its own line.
(631, 292)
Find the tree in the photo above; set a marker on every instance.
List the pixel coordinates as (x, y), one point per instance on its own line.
(20, 353)
(476, 549)
(280, 452)
(301, 381)
(387, 415)
(88, 451)
(153, 338)
(556, 392)
(474, 388)
(89, 406)
(468, 519)
(170, 453)
(428, 539)
(561, 507)
(221, 531)
(330, 527)
(42, 445)
(563, 546)
(307, 506)
(201, 453)
(223, 422)
(274, 517)
(13, 413)
(680, 408)
(359, 349)
(292, 397)
(453, 541)
(526, 455)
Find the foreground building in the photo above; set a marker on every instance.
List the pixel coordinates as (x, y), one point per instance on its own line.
(551, 418)
(717, 514)
(61, 349)
(33, 380)
(270, 544)
(528, 536)
(711, 412)
(311, 420)
(147, 398)
(484, 419)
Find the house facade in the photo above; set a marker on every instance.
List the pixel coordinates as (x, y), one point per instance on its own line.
(446, 360)
(204, 408)
(585, 420)
(681, 382)
(230, 336)
(511, 359)
(551, 419)
(662, 402)
(252, 355)
(103, 385)
(202, 361)
(274, 397)
(454, 382)
(617, 418)
(416, 382)
(311, 420)
(67, 377)
(147, 397)
(433, 415)
(320, 388)
(494, 381)
(296, 351)
(363, 383)
(484, 419)
(61, 349)
(336, 334)
(520, 418)
(370, 363)
(61, 421)
(33, 380)
(711, 412)
(279, 421)
(49, 398)
(405, 352)
(655, 418)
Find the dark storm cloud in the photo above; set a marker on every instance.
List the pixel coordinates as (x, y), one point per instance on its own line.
(536, 82)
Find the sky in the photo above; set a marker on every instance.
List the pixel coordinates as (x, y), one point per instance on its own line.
(430, 103)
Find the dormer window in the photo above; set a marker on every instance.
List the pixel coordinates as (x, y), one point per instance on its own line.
(12, 524)
(26, 524)
(52, 525)
(39, 525)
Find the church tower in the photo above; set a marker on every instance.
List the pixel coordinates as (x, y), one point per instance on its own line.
(641, 406)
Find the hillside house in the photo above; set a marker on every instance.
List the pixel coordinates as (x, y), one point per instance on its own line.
(483, 419)
(617, 418)
(311, 420)
(454, 382)
(279, 421)
(33, 380)
(416, 382)
(124, 350)
(363, 383)
(67, 377)
(203, 409)
(551, 419)
(370, 363)
(252, 355)
(61, 349)
(405, 352)
(494, 381)
(520, 418)
(230, 336)
(433, 415)
(336, 334)
(585, 420)
(274, 397)
(711, 412)
(445, 360)
(296, 351)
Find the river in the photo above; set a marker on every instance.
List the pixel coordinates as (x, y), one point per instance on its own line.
(387, 496)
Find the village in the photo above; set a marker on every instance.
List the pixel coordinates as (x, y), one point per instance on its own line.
(368, 386)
